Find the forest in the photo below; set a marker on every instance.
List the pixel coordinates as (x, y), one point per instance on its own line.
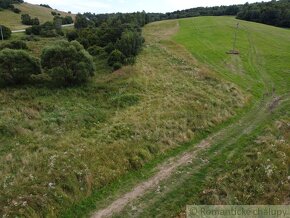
(276, 13)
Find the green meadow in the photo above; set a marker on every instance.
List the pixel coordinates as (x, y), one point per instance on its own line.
(69, 151)
(248, 161)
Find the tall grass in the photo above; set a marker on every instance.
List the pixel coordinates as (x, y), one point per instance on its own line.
(58, 145)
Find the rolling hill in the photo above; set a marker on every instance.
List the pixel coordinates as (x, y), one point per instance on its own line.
(13, 20)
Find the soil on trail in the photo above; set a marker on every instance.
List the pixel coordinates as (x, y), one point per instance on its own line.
(164, 171)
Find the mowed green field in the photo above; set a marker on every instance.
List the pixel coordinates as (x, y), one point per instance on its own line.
(265, 51)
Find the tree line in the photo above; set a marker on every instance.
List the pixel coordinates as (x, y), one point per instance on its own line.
(276, 13)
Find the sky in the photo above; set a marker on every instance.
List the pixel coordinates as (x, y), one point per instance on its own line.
(110, 6)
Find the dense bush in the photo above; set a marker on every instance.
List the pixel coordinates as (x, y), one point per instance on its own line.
(96, 51)
(67, 20)
(35, 30)
(45, 5)
(72, 35)
(81, 21)
(17, 67)
(67, 63)
(130, 43)
(48, 29)
(14, 45)
(6, 32)
(27, 20)
(116, 58)
(16, 10)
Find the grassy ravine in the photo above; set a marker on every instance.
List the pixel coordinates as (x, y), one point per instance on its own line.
(13, 20)
(58, 146)
(249, 162)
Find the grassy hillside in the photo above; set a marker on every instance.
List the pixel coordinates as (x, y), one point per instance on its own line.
(78, 148)
(13, 20)
(247, 163)
(59, 146)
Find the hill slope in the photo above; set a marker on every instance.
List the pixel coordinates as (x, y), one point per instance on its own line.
(13, 20)
(228, 167)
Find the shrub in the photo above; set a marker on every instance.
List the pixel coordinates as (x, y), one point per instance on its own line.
(72, 35)
(48, 30)
(96, 50)
(31, 37)
(14, 45)
(16, 10)
(26, 20)
(81, 21)
(117, 66)
(35, 30)
(53, 13)
(45, 5)
(17, 67)
(130, 43)
(6, 32)
(68, 63)
(116, 57)
(67, 20)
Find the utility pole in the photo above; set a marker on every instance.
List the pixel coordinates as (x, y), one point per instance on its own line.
(1, 30)
(235, 38)
(234, 51)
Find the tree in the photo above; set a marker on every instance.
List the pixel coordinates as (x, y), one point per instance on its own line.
(130, 43)
(67, 20)
(116, 57)
(6, 32)
(72, 35)
(25, 19)
(81, 22)
(17, 67)
(68, 63)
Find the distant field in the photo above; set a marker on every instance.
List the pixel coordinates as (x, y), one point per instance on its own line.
(265, 51)
(13, 20)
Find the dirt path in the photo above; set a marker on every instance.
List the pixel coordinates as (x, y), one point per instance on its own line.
(164, 171)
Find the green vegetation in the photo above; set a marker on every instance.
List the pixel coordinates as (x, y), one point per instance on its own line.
(62, 145)
(6, 32)
(67, 63)
(115, 37)
(66, 150)
(8, 4)
(48, 29)
(17, 67)
(13, 20)
(248, 162)
(276, 13)
(27, 20)
(15, 44)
